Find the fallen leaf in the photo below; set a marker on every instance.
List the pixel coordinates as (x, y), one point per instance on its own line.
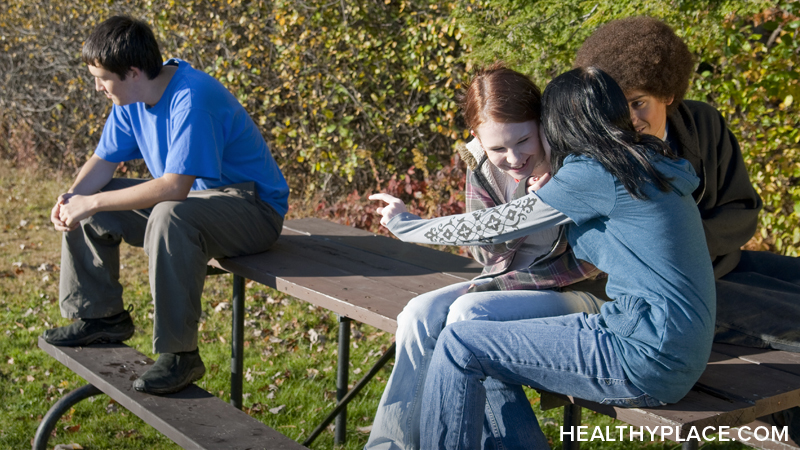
(72, 428)
(127, 434)
(277, 409)
(72, 446)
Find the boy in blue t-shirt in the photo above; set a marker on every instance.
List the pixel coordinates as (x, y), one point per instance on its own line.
(216, 192)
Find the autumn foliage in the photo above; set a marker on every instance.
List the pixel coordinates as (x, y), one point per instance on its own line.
(359, 96)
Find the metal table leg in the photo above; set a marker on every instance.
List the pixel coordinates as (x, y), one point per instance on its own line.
(50, 419)
(690, 445)
(237, 342)
(572, 420)
(389, 354)
(342, 372)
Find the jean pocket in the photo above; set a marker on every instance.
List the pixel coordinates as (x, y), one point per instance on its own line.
(642, 401)
(628, 314)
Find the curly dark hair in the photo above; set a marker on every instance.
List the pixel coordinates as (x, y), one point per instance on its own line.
(641, 53)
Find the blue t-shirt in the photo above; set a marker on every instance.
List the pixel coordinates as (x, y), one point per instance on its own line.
(659, 273)
(197, 128)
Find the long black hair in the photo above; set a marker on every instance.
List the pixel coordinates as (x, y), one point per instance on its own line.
(585, 113)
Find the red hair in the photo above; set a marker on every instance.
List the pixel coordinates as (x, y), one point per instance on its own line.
(500, 94)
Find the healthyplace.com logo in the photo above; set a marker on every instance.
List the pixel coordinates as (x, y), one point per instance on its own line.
(629, 433)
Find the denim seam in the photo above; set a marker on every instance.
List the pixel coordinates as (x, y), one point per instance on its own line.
(417, 393)
(551, 368)
(495, 430)
(464, 403)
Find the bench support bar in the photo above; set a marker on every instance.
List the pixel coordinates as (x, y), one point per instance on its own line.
(50, 419)
(388, 355)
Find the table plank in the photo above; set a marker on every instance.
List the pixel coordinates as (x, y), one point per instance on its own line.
(431, 259)
(768, 389)
(341, 275)
(779, 360)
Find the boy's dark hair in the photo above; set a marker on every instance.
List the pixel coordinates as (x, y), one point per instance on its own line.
(584, 112)
(120, 43)
(641, 53)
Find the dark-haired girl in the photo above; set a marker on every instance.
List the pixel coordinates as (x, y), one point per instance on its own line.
(522, 278)
(628, 210)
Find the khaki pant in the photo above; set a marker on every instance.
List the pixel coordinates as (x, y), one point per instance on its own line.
(179, 237)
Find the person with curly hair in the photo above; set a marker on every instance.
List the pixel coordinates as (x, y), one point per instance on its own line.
(758, 293)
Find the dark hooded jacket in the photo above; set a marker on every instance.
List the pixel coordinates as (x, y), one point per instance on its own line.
(728, 203)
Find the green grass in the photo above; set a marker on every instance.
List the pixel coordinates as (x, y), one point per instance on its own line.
(283, 366)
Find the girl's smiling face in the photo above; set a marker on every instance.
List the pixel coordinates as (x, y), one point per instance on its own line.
(514, 148)
(648, 113)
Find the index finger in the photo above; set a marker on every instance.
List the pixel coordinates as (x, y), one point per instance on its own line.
(384, 197)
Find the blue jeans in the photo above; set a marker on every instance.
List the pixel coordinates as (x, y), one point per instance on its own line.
(397, 419)
(568, 354)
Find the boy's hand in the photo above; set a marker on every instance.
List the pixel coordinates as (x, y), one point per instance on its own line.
(394, 207)
(72, 209)
(55, 214)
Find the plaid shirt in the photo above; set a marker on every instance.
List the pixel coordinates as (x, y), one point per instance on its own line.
(555, 270)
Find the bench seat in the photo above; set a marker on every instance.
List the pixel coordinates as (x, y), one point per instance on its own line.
(192, 418)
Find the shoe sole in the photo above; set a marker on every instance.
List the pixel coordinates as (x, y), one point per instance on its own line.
(97, 338)
(196, 375)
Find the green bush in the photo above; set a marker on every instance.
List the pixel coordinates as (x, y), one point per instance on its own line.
(346, 94)
(753, 80)
(748, 51)
(351, 95)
